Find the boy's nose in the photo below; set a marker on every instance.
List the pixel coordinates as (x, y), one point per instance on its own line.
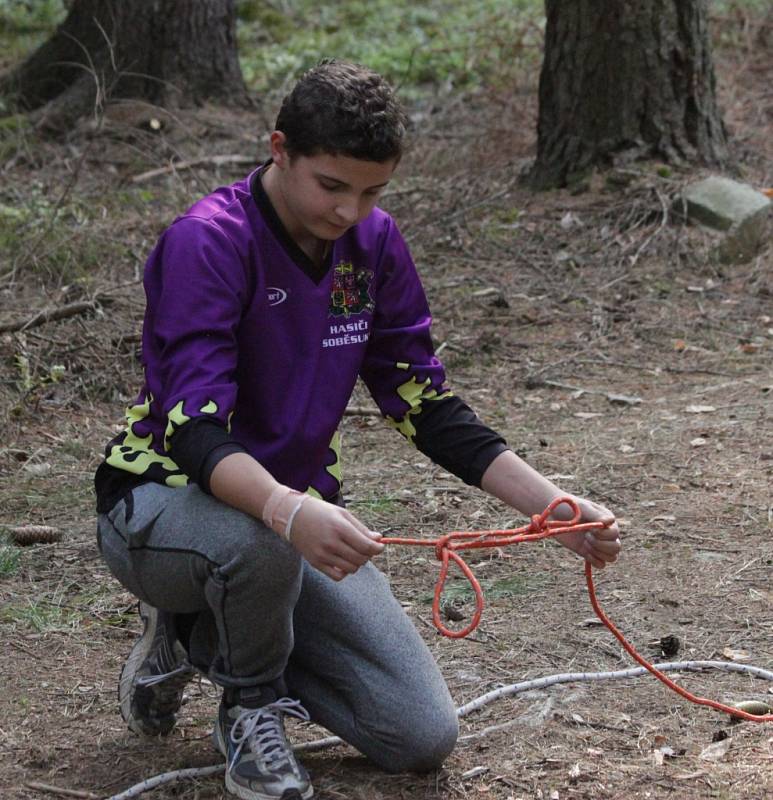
(347, 212)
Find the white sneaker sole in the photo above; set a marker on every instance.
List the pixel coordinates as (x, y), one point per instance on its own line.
(133, 662)
(243, 792)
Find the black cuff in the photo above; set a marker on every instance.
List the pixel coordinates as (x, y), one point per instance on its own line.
(199, 445)
(450, 433)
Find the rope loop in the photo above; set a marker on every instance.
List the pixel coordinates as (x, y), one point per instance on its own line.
(541, 526)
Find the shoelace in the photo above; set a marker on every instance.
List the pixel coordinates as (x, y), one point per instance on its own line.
(262, 729)
(153, 680)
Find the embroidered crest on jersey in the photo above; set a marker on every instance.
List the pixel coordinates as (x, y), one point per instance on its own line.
(350, 293)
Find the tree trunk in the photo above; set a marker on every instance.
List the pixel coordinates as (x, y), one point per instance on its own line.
(172, 53)
(625, 77)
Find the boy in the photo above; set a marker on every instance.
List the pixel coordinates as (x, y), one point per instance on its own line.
(220, 504)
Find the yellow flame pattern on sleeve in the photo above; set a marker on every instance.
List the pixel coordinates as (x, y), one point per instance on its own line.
(176, 417)
(414, 393)
(135, 453)
(335, 468)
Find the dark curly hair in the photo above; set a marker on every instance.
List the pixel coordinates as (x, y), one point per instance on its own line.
(340, 108)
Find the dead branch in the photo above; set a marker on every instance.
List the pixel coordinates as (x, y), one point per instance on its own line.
(468, 708)
(63, 312)
(361, 411)
(47, 787)
(216, 161)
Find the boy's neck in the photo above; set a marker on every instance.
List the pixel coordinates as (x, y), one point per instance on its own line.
(316, 249)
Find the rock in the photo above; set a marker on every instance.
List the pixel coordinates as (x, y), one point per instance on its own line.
(734, 207)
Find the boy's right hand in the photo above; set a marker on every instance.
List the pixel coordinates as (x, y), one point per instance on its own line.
(332, 539)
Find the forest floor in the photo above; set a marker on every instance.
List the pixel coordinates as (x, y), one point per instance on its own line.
(545, 305)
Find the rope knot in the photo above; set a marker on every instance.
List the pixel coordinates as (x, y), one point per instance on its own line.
(537, 523)
(441, 546)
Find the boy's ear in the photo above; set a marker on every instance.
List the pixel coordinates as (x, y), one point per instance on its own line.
(279, 153)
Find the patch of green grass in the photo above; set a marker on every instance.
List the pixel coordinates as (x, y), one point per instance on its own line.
(436, 45)
(41, 616)
(378, 504)
(56, 243)
(511, 586)
(10, 558)
(50, 495)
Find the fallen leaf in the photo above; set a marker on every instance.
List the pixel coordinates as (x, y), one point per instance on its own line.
(680, 345)
(756, 707)
(474, 772)
(587, 415)
(672, 487)
(688, 776)
(749, 348)
(623, 400)
(569, 220)
(736, 655)
(663, 518)
(700, 409)
(698, 441)
(716, 750)
(626, 448)
(590, 622)
(42, 468)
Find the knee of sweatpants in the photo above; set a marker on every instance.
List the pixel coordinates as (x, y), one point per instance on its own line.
(424, 745)
(246, 546)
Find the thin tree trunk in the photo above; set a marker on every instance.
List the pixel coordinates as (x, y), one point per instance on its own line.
(169, 52)
(631, 77)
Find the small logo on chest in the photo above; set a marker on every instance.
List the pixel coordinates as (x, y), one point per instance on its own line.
(275, 295)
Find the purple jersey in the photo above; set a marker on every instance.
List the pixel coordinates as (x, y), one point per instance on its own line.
(240, 331)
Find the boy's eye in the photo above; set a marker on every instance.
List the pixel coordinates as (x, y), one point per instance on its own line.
(330, 187)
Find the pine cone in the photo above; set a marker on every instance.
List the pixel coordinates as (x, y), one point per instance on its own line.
(24, 535)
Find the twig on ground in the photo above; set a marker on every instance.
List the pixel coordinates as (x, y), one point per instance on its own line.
(46, 787)
(468, 708)
(216, 161)
(361, 411)
(63, 312)
(168, 777)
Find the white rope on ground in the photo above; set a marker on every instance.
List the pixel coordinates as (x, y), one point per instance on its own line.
(468, 708)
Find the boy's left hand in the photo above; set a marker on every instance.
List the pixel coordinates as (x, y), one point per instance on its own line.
(599, 547)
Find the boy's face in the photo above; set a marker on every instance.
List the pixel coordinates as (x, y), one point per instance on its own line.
(322, 196)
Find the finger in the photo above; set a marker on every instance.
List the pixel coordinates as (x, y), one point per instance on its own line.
(345, 557)
(607, 554)
(356, 523)
(610, 533)
(333, 572)
(602, 538)
(362, 543)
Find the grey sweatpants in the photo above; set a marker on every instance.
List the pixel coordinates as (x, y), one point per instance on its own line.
(346, 649)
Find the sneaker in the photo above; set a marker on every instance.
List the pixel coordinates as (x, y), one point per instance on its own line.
(260, 764)
(150, 689)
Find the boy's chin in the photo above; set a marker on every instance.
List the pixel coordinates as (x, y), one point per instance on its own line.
(331, 232)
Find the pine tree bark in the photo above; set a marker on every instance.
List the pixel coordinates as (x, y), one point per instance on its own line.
(625, 77)
(172, 53)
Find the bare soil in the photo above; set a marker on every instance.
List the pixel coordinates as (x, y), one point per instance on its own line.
(545, 305)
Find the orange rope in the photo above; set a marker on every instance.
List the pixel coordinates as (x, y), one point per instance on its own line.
(540, 527)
